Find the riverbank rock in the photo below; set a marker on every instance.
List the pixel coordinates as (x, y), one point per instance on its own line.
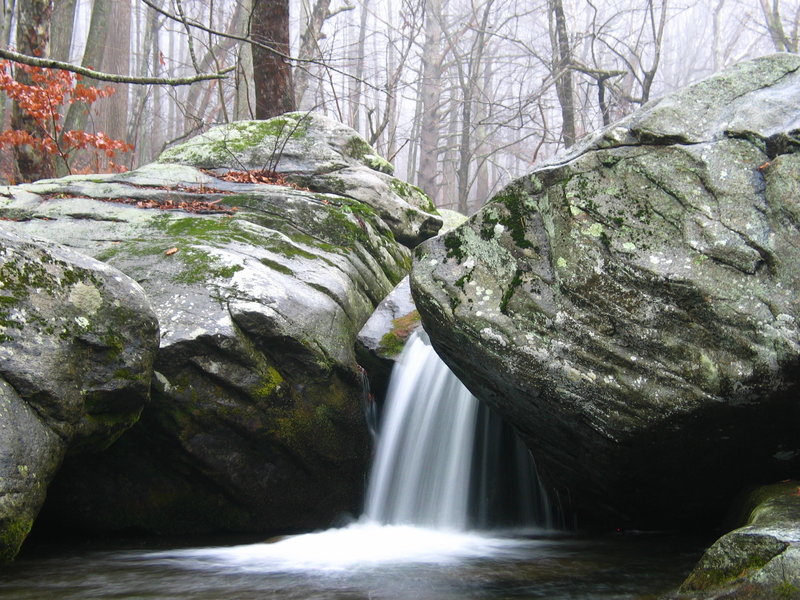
(77, 344)
(632, 307)
(315, 152)
(256, 421)
(759, 561)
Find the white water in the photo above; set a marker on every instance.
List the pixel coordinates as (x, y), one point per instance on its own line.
(428, 484)
(421, 473)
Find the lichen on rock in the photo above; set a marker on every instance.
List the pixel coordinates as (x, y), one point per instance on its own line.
(631, 306)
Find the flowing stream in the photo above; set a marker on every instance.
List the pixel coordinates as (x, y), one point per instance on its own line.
(454, 510)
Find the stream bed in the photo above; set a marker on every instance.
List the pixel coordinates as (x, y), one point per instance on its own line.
(360, 562)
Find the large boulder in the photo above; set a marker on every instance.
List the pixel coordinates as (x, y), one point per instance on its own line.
(632, 307)
(318, 153)
(77, 344)
(256, 421)
(758, 561)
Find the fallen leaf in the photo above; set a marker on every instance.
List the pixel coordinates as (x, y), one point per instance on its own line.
(171, 251)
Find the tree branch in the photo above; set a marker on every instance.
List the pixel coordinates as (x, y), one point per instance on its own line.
(47, 63)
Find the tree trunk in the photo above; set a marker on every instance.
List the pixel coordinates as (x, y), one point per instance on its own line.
(774, 22)
(113, 112)
(430, 90)
(272, 71)
(61, 29)
(33, 38)
(92, 57)
(309, 43)
(355, 91)
(562, 72)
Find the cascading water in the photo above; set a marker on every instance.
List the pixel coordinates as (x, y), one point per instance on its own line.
(443, 459)
(422, 465)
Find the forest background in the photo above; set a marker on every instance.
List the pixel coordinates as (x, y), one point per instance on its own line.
(461, 95)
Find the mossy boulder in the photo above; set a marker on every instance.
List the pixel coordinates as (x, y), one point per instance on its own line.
(632, 306)
(77, 344)
(758, 561)
(321, 154)
(384, 336)
(256, 421)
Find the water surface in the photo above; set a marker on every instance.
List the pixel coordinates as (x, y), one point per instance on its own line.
(363, 562)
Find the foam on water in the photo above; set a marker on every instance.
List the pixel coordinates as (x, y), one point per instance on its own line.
(363, 545)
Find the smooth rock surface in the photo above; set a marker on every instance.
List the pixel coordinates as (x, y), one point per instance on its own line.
(632, 307)
(77, 344)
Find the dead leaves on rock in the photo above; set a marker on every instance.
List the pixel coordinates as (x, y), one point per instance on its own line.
(195, 205)
(191, 205)
(262, 177)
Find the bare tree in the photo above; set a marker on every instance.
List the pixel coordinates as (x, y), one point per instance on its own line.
(562, 69)
(272, 69)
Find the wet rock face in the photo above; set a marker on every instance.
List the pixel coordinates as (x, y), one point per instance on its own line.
(759, 560)
(632, 307)
(77, 344)
(256, 421)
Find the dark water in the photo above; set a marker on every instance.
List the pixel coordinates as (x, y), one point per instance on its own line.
(341, 566)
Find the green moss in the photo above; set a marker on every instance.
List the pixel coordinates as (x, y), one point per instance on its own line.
(270, 382)
(221, 144)
(786, 590)
(516, 281)
(733, 557)
(393, 342)
(276, 266)
(516, 201)
(200, 266)
(12, 534)
(453, 245)
(413, 195)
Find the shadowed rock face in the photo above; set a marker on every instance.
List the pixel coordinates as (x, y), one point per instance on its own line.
(77, 344)
(256, 421)
(632, 307)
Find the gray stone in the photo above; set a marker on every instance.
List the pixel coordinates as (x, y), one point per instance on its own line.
(77, 344)
(384, 335)
(319, 153)
(758, 561)
(256, 422)
(632, 307)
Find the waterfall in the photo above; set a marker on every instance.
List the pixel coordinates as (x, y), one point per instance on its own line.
(444, 460)
(445, 465)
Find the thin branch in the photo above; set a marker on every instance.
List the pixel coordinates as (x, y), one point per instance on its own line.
(47, 63)
(252, 42)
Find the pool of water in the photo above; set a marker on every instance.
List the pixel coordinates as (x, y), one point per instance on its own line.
(362, 562)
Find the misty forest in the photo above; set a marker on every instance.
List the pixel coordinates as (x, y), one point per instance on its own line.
(391, 299)
(462, 97)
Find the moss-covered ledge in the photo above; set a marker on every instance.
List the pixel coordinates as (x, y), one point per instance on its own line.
(760, 560)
